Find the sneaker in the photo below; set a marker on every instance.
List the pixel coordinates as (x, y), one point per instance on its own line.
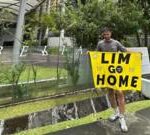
(113, 117)
(123, 124)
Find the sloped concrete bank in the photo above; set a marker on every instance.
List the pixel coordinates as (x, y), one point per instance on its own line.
(54, 115)
(138, 124)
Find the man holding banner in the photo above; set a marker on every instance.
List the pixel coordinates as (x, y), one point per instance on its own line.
(116, 97)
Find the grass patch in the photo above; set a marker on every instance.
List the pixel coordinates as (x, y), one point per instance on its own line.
(27, 108)
(131, 108)
(42, 73)
(28, 74)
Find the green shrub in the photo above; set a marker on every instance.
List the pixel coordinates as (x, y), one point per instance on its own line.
(53, 50)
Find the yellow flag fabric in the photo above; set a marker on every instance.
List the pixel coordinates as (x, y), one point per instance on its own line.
(116, 70)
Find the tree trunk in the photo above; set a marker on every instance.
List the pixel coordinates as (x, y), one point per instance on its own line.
(138, 39)
(146, 38)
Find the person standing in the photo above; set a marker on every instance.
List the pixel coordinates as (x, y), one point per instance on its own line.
(116, 97)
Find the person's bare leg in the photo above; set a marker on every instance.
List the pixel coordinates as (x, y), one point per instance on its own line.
(113, 102)
(121, 105)
(112, 98)
(121, 101)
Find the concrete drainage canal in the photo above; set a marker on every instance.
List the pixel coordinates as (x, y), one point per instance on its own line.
(54, 115)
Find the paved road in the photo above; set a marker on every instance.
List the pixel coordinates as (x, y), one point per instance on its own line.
(138, 123)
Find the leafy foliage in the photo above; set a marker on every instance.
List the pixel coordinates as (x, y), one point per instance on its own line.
(144, 6)
(6, 19)
(85, 21)
(5, 16)
(72, 66)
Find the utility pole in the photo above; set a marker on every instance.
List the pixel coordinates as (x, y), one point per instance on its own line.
(19, 32)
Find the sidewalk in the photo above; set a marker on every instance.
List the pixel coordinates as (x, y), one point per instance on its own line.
(138, 124)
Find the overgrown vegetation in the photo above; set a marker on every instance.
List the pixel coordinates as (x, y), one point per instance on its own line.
(72, 65)
(13, 76)
(131, 108)
(20, 73)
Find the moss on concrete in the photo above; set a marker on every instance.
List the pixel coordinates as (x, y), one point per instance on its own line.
(27, 108)
(130, 108)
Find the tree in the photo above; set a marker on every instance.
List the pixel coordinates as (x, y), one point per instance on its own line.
(85, 22)
(6, 16)
(144, 6)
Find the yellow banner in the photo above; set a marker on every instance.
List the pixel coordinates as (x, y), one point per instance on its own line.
(116, 70)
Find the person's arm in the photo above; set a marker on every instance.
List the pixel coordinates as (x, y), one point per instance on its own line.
(98, 48)
(121, 47)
